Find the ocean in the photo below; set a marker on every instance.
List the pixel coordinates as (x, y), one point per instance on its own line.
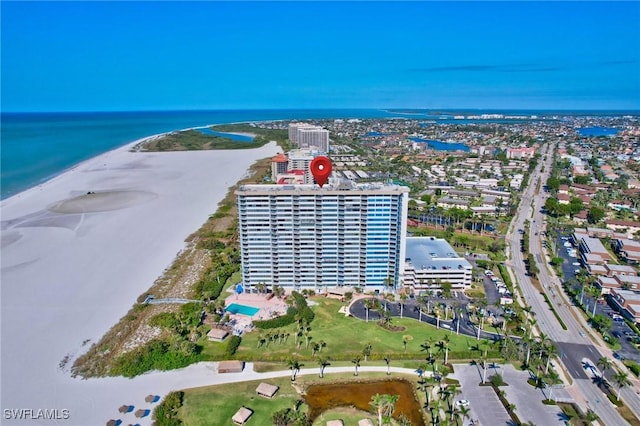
(39, 146)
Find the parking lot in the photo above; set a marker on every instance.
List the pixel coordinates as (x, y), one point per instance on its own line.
(620, 330)
(484, 404)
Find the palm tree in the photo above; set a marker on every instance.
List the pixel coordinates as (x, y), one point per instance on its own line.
(464, 412)
(484, 362)
(366, 351)
(390, 282)
(324, 363)
(404, 420)
(424, 386)
(406, 339)
(530, 344)
(591, 416)
(390, 405)
(622, 379)
(368, 305)
(403, 298)
(377, 403)
(261, 341)
(387, 359)
(551, 351)
(605, 363)
(356, 363)
(543, 342)
(315, 348)
(426, 346)
(481, 316)
(294, 366)
(444, 345)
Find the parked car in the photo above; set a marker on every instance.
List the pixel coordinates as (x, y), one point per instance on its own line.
(462, 403)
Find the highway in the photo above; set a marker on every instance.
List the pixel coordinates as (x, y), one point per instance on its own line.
(573, 344)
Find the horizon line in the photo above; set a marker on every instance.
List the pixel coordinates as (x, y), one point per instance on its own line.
(389, 109)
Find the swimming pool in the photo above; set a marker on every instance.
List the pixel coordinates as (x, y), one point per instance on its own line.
(236, 308)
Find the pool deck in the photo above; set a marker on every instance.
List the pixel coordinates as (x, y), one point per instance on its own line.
(267, 308)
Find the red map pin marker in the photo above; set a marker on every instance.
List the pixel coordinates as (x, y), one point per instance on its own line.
(321, 169)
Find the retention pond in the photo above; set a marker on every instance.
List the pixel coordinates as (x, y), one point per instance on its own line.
(321, 397)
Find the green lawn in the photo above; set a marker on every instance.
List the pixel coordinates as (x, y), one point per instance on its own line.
(345, 339)
(217, 404)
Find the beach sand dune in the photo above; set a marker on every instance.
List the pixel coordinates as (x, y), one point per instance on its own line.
(76, 253)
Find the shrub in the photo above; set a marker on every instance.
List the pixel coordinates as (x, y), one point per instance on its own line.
(633, 366)
(165, 320)
(497, 380)
(300, 309)
(156, 355)
(505, 276)
(614, 400)
(166, 413)
(233, 344)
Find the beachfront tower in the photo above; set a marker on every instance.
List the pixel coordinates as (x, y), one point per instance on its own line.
(279, 165)
(303, 236)
(308, 136)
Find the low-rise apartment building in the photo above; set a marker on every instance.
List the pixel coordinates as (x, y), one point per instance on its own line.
(592, 251)
(627, 249)
(432, 261)
(628, 303)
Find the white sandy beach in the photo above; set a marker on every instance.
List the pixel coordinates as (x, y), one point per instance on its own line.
(74, 263)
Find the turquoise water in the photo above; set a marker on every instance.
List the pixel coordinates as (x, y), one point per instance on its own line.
(236, 308)
(232, 136)
(39, 146)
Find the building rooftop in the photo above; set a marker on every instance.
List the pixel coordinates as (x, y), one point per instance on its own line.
(594, 246)
(334, 186)
(280, 158)
(433, 253)
(621, 268)
(628, 295)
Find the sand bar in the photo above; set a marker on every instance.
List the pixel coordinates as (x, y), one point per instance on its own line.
(78, 250)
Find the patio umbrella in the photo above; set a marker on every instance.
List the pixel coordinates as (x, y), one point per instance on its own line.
(124, 409)
(114, 422)
(142, 413)
(152, 398)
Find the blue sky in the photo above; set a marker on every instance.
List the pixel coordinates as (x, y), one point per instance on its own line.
(93, 56)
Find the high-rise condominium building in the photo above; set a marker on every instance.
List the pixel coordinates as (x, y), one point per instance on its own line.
(305, 135)
(303, 236)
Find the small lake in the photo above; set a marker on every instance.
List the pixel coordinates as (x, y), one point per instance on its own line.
(232, 136)
(442, 146)
(321, 397)
(597, 131)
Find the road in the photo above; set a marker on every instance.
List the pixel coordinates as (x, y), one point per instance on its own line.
(573, 343)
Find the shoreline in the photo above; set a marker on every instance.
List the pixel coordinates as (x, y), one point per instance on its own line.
(46, 181)
(77, 251)
(130, 145)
